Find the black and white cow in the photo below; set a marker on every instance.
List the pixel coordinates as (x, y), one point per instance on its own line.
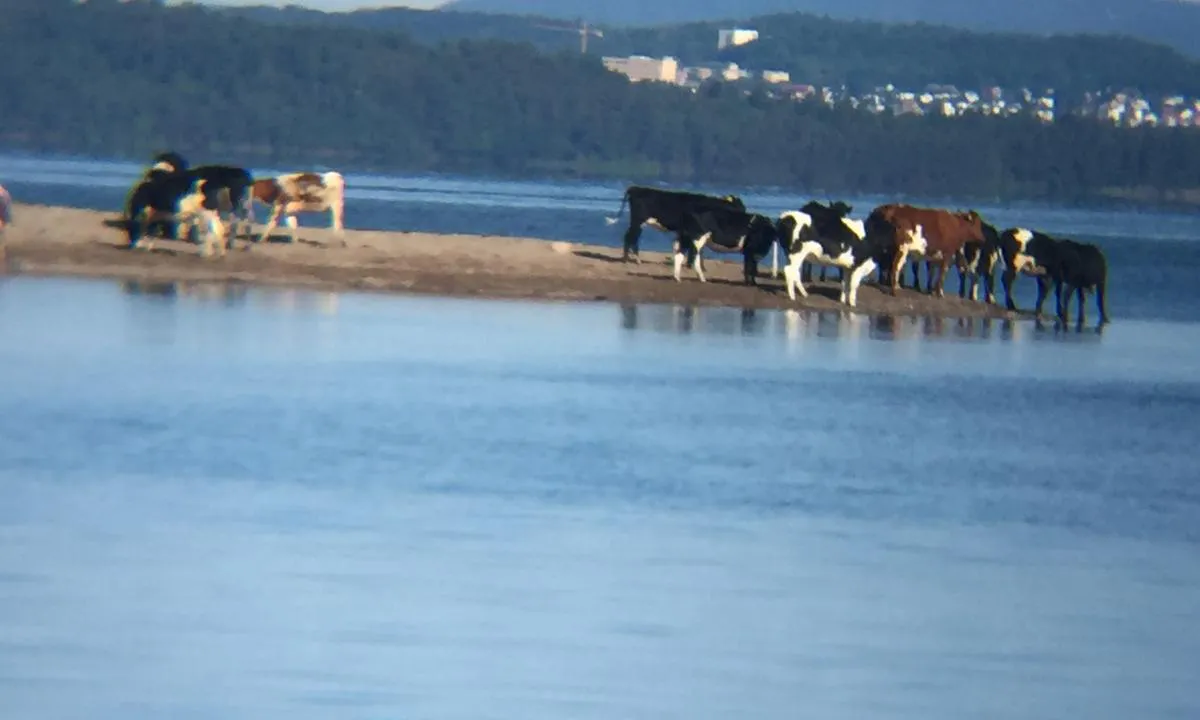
(827, 219)
(179, 197)
(1075, 266)
(847, 247)
(728, 231)
(234, 184)
(977, 263)
(664, 210)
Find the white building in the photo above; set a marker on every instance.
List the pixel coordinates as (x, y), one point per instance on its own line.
(639, 67)
(734, 37)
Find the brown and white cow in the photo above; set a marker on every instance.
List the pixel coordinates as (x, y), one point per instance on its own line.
(299, 192)
(942, 237)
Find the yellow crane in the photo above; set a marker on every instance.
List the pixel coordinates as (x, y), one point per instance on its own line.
(583, 28)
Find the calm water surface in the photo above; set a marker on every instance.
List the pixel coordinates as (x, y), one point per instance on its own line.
(267, 504)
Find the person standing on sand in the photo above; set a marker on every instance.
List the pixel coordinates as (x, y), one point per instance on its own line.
(5, 209)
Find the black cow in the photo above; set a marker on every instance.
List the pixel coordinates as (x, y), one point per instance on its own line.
(664, 210)
(1064, 263)
(728, 231)
(977, 262)
(835, 241)
(180, 197)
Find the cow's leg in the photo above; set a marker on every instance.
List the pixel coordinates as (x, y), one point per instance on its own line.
(898, 267)
(1100, 302)
(1079, 301)
(942, 268)
(853, 280)
(1006, 280)
(698, 260)
(293, 224)
(337, 222)
(630, 244)
(749, 268)
(272, 222)
(1041, 295)
(774, 259)
(1062, 303)
(795, 264)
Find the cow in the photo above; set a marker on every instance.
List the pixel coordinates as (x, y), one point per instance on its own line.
(943, 235)
(724, 230)
(233, 184)
(5, 209)
(181, 197)
(664, 210)
(298, 192)
(978, 262)
(1077, 266)
(849, 248)
(826, 218)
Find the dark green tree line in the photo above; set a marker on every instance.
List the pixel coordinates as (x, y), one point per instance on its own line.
(126, 79)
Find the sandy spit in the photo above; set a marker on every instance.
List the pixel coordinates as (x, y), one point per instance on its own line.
(63, 241)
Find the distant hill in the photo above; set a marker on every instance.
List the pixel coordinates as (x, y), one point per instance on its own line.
(818, 50)
(1171, 22)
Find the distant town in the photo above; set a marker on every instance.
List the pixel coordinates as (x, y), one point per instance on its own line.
(1123, 108)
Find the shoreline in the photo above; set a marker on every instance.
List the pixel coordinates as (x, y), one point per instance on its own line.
(55, 241)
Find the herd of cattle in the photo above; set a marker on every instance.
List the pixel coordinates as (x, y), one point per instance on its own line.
(891, 236)
(172, 195)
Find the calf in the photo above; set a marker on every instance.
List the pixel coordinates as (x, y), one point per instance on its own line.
(5, 209)
(180, 197)
(299, 192)
(1077, 266)
(943, 234)
(664, 210)
(727, 231)
(848, 248)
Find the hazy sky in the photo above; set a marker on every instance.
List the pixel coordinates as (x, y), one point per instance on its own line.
(333, 4)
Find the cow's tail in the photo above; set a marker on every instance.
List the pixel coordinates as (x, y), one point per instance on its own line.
(616, 218)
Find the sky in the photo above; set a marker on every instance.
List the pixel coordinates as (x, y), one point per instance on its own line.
(333, 4)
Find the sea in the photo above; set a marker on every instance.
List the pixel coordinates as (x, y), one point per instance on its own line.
(234, 502)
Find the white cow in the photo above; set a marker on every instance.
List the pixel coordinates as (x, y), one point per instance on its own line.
(299, 192)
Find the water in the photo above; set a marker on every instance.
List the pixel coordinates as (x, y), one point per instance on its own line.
(252, 503)
(264, 504)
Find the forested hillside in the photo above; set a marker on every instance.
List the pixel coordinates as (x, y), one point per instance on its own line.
(818, 50)
(1171, 22)
(114, 79)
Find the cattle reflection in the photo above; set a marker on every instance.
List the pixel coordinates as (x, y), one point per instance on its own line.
(685, 319)
(290, 300)
(226, 293)
(151, 288)
(840, 324)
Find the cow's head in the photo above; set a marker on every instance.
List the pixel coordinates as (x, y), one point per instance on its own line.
(170, 161)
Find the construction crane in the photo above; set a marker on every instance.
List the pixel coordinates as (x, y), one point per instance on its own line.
(584, 30)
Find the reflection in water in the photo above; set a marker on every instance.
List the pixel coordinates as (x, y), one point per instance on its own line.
(234, 294)
(230, 294)
(324, 303)
(844, 325)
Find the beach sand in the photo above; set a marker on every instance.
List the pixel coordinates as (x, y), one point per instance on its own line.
(62, 241)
